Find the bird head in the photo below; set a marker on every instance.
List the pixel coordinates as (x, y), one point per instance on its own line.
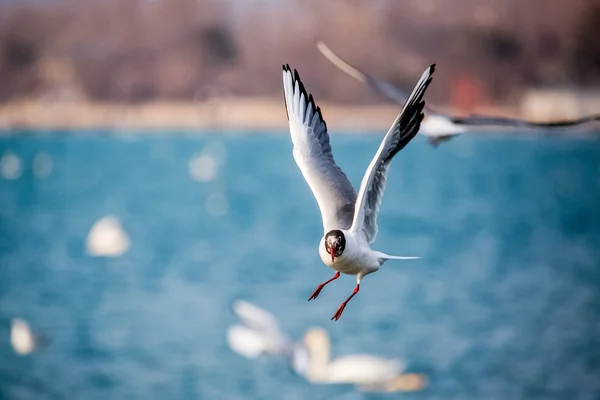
(335, 243)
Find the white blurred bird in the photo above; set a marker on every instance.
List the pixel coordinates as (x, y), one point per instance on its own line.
(369, 372)
(439, 127)
(259, 334)
(23, 340)
(349, 220)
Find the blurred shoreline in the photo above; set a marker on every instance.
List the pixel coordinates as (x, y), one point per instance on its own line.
(264, 114)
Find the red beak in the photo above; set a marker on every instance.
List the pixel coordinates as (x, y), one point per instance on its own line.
(332, 252)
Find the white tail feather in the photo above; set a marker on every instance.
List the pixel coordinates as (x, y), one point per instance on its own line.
(384, 257)
(401, 258)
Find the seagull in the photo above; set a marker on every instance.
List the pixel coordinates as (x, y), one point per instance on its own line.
(258, 333)
(349, 220)
(370, 373)
(437, 126)
(23, 340)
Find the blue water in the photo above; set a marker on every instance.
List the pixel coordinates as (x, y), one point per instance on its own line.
(505, 303)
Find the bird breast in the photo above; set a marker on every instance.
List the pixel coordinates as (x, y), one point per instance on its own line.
(362, 369)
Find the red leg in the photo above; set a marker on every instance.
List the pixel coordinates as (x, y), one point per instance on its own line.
(340, 310)
(322, 285)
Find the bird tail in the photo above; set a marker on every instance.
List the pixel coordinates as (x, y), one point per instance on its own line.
(384, 257)
(402, 383)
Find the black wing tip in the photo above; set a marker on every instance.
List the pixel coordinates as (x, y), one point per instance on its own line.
(410, 122)
(295, 75)
(418, 102)
(318, 111)
(308, 96)
(430, 71)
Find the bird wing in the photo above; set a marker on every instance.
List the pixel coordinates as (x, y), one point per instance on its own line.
(451, 124)
(404, 128)
(255, 317)
(246, 341)
(379, 86)
(312, 152)
(259, 332)
(519, 123)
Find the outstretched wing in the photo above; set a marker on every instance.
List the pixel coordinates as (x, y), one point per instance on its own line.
(379, 86)
(312, 152)
(404, 128)
(259, 332)
(518, 123)
(255, 318)
(451, 124)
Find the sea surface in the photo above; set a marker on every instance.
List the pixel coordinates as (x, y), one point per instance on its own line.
(504, 304)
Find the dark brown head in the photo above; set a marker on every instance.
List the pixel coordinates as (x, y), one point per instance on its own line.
(335, 243)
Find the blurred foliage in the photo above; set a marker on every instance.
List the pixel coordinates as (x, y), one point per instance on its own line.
(19, 52)
(140, 50)
(501, 46)
(218, 42)
(586, 55)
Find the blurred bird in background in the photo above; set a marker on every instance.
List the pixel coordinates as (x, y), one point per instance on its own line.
(437, 126)
(23, 340)
(258, 333)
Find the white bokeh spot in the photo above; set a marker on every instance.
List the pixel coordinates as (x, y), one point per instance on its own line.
(42, 165)
(107, 238)
(11, 166)
(203, 168)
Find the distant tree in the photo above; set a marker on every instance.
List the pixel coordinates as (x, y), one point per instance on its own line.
(500, 46)
(18, 57)
(19, 52)
(218, 43)
(586, 54)
(495, 57)
(548, 45)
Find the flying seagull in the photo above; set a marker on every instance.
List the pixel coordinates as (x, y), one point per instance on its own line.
(437, 126)
(349, 220)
